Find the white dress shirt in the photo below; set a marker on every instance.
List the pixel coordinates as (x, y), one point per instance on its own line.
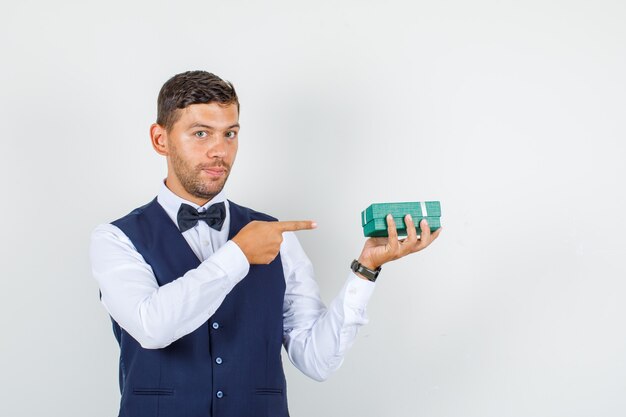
(316, 338)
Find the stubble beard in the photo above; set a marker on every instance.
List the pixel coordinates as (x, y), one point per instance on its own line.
(191, 177)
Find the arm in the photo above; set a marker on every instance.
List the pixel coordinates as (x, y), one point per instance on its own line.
(157, 316)
(316, 338)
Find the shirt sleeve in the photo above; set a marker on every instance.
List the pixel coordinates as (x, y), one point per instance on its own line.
(316, 338)
(157, 316)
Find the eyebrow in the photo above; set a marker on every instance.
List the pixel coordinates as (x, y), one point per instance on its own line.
(207, 127)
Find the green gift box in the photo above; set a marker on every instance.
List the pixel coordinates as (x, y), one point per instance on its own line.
(373, 218)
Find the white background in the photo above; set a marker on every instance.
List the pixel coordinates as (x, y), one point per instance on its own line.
(511, 113)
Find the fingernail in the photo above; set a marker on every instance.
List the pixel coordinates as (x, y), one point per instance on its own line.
(408, 216)
(425, 222)
(313, 225)
(389, 216)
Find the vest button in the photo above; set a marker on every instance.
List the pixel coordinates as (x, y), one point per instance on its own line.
(216, 325)
(218, 361)
(219, 394)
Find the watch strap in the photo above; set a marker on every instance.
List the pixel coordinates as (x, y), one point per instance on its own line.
(370, 274)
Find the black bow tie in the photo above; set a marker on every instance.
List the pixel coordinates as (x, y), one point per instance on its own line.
(188, 216)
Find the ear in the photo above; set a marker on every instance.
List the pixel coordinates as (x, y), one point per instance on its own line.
(158, 137)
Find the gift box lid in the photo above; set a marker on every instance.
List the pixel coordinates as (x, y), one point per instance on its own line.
(415, 209)
(378, 227)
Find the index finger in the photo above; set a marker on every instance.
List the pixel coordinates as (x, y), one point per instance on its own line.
(392, 231)
(295, 225)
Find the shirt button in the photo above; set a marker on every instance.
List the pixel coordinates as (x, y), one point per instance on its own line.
(219, 394)
(216, 325)
(218, 361)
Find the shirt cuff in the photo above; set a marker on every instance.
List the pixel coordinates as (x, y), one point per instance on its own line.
(358, 291)
(231, 259)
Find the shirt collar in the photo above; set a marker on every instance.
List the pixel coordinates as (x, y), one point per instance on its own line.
(171, 202)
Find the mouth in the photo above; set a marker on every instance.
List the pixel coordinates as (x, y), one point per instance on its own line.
(215, 172)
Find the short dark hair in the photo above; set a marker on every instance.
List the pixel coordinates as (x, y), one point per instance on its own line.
(192, 87)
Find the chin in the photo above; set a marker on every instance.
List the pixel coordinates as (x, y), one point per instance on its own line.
(212, 189)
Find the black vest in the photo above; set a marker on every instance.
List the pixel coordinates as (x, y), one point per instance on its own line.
(231, 365)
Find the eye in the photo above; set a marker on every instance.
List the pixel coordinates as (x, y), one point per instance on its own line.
(201, 134)
(231, 134)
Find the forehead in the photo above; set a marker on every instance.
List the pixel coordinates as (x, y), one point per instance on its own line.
(216, 115)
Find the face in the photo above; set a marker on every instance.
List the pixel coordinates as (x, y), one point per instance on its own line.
(200, 150)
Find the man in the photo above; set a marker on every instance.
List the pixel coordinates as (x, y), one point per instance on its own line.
(203, 292)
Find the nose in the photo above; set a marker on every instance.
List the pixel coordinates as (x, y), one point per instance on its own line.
(217, 149)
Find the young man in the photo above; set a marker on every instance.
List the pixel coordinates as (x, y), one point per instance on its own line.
(203, 292)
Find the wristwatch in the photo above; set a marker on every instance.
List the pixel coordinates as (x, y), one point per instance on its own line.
(370, 274)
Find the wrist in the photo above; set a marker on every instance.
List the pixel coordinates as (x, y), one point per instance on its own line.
(367, 263)
(364, 272)
(235, 240)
